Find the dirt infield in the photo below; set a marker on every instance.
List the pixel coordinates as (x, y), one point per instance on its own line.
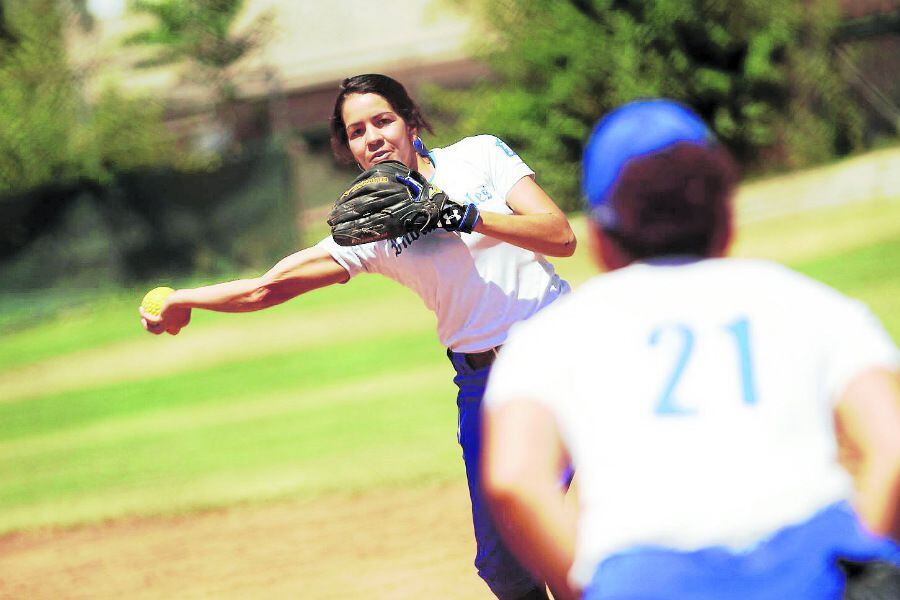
(389, 544)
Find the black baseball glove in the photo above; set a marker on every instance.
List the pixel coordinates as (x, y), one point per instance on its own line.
(390, 200)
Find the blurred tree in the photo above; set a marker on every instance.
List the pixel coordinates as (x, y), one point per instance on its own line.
(201, 33)
(50, 132)
(760, 71)
(5, 34)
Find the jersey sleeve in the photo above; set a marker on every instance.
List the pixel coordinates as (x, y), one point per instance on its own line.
(355, 259)
(505, 168)
(856, 341)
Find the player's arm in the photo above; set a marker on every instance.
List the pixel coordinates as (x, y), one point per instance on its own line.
(868, 417)
(522, 460)
(536, 223)
(293, 275)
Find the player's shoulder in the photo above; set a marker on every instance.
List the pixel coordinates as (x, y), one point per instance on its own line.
(474, 145)
(610, 299)
(768, 285)
(776, 276)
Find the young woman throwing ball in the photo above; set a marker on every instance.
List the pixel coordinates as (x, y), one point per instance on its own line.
(479, 273)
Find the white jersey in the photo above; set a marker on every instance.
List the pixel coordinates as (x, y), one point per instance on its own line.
(695, 398)
(477, 286)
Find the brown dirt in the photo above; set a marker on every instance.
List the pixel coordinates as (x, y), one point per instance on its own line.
(386, 544)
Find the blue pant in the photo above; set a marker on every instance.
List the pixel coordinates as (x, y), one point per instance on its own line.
(495, 563)
(798, 562)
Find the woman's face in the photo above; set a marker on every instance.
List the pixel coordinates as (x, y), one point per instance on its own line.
(375, 132)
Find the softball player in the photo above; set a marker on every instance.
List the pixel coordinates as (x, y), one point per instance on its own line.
(478, 284)
(696, 397)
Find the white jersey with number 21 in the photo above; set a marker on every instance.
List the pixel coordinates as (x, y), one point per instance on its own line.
(703, 391)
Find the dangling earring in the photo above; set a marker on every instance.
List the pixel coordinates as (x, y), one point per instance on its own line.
(359, 166)
(419, 147)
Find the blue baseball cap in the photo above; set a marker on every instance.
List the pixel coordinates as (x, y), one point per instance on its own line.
(632, 131)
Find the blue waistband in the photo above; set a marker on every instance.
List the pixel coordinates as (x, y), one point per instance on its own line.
(798, 562)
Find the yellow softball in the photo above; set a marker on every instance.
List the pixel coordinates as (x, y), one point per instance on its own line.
(153, 301)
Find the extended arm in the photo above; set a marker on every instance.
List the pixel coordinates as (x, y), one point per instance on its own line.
(522, 460)
(536, 223)
(296, 274)
(868, 417)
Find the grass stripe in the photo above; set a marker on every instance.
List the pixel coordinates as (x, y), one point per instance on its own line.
(220, 384)
(384, 431)
(104, 318)
(148, 356)
(263, 406)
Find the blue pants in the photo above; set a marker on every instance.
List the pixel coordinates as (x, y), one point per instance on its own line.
(798, 562)
(495, 563)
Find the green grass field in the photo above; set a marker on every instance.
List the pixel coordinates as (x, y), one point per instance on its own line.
(346, 389)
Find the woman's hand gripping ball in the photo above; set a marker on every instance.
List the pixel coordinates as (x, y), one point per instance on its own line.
(157, 315)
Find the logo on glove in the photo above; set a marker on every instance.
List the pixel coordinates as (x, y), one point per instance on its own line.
(389, 201)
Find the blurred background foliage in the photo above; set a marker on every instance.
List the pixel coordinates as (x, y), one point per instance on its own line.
(761, 71)
(200, 32)
(97, 191)
(52, 133)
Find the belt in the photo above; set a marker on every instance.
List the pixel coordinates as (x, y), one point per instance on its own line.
(480, 360)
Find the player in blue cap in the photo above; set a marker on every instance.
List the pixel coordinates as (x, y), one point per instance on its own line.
(698, 398)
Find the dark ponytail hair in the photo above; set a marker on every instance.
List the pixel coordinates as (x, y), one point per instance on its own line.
(372, 83)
